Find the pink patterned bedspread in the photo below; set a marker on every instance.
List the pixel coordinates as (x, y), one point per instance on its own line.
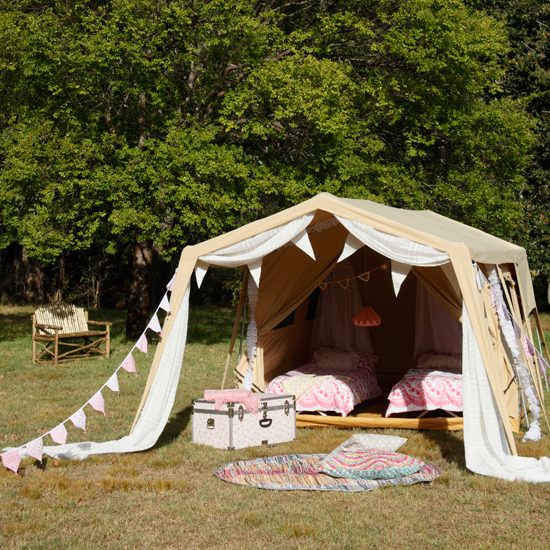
(421, 390)
(339, 396)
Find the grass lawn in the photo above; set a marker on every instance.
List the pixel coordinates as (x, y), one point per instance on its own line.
(167, 497)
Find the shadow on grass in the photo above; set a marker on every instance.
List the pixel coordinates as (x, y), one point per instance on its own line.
(174, 428)
(451, 446)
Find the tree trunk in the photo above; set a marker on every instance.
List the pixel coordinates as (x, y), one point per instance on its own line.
(139, 301)
(34, 280)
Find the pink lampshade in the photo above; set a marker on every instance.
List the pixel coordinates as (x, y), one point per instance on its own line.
(367, 317)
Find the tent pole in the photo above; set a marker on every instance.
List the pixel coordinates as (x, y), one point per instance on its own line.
(542, 340)
(539, 349)
(242, 297)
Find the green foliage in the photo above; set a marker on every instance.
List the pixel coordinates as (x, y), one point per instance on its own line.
(172, 122)
(527, 66)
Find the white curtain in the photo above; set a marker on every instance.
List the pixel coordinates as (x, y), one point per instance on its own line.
(337, 306)
(485, 444)
(157, 408)
(251, 251)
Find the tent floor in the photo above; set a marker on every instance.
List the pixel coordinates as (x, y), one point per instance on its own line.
(370, 414)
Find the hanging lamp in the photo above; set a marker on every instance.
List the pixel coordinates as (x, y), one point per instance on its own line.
(367, 317)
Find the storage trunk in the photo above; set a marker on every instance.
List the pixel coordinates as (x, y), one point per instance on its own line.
(234, 427)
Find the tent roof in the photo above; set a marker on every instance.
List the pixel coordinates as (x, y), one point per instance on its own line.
(422, 226)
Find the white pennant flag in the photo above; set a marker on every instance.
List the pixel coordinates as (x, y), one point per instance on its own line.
(170, 285)
(79, 419)
(112, 383)
(154, 324)
(35, 448)
(165, 304)
(142, 344)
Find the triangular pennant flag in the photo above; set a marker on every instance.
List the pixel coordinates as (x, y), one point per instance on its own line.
(365, 276)
(528, 347)
(343, 283)
(352, 245)
(323, 285)
(399, 272)
(200, 271)
(170, 285)
(97, 402)
(517, 329)
(142, 343)
(542, 363)
(303, 243)
(112, 383)
(165, 304)
(35, 448)
(384, 267)
(129, 364)
(79, 419)
(154, 324)
(255, 269)
(11, 460)
(59, 434)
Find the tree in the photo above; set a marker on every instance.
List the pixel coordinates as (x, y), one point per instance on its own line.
(146, 126)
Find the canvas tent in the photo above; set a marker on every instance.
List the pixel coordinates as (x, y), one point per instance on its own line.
(289, 254)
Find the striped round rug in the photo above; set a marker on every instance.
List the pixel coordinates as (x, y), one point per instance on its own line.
(299, 472)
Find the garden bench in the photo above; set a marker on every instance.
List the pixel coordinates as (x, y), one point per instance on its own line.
(63, 325)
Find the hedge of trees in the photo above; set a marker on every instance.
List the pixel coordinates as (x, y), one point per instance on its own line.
(130, 129)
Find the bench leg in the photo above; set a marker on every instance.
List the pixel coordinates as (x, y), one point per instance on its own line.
(56, 347)
(108, 346)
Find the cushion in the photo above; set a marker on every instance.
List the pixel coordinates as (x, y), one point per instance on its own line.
(370, 464)
(361, 442)
(366, 360)
(335, 359)
(440, 361)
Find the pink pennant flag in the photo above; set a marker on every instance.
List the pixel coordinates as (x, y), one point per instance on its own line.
(170, 285)
(59, 434)
(129, 364)
(79, 419)
(142, 344)
(154, 324)
(97, 402)
(165, 304)
(35, 448)
(528, 347)
(11, 460)
(112, 383)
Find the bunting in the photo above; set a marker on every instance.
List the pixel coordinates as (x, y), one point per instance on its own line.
(129, 364)
(59, 434)
(98, 403)
(112, 383)
(142, 343)
(12, 459)
(35, 448)
(344, 283)
(79, 419)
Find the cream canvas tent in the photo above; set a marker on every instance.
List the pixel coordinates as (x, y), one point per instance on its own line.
(287, 255)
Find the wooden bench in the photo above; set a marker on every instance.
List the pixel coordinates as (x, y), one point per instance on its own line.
(62, 325)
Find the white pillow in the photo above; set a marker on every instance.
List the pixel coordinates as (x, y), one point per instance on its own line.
(336, 359)
(360, 442)
(439, 361)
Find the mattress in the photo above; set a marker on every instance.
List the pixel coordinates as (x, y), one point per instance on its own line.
(426, 390)
(321, 389)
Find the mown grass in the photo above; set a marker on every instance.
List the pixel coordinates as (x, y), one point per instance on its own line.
(167, 497)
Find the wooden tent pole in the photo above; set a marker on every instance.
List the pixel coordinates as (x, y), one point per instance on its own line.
(242, 299)
(542, 339)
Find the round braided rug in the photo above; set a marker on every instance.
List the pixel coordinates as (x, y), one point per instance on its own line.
(299, 472)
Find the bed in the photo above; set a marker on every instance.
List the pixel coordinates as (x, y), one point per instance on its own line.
(335, 380)
(434, 383)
